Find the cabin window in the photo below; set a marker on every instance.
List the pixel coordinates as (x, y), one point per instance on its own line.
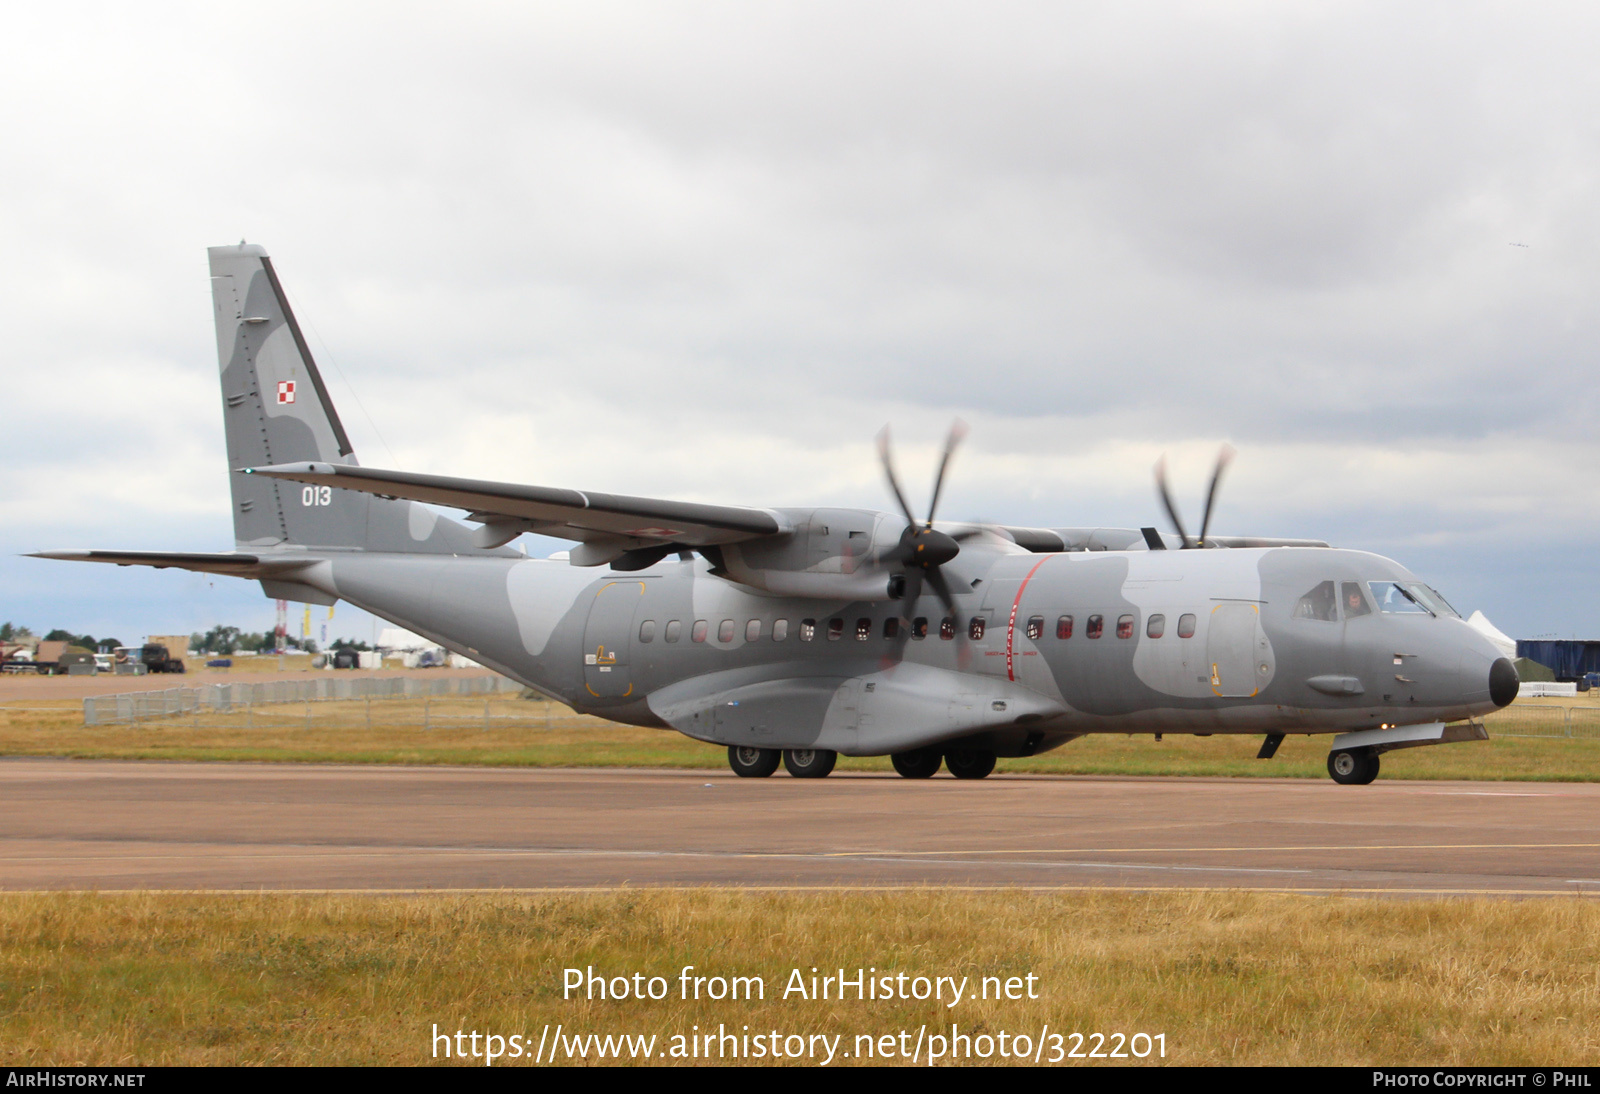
(919, 627)
(1035, 630)
(1186, 625)
(947, 628)
(647, 630)
(808, 629)
(1353, 599)
(1320, 603)
(1096, 627)
(975, 628)
(863, 629)
(780, 630)
(674, 630)
(1155, 626)
(1124, 626)
(752, 630)
(1064, 627)
(725, 631)
(698, 634)
(891, 627)
(835, 630)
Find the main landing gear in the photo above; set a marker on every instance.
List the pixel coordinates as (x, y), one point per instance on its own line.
(1353, 766)
(969, 763)
(803, 763)
(919, 763)
(749, 762)
(923, 763)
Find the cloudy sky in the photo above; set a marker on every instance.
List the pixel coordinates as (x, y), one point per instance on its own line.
(706, 251)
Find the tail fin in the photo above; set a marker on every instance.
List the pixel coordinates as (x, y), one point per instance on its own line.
(276, 409)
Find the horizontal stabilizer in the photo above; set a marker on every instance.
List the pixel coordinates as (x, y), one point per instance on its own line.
(551, 511)
(231, 563)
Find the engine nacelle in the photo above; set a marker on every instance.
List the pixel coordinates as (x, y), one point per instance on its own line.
(832, 554)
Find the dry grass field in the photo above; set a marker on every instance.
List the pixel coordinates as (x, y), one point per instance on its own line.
(161, 978)
(504, 730)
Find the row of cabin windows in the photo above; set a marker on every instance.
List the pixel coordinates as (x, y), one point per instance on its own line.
(1094, 627)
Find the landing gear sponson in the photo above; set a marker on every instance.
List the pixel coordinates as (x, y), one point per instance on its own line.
(1353, 760)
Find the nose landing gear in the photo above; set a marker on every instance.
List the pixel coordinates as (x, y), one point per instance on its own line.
(1353, 766)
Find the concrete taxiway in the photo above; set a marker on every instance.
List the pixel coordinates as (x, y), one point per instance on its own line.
(73, 824)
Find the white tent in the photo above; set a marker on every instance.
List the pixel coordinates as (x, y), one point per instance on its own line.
(1502, 642)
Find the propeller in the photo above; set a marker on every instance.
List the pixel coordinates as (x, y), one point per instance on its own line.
(1223, 458)
(922, 550)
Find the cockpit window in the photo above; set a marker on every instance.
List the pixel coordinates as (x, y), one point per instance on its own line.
(1393, 597)
(1320, 603)
(1353, 599)
(1431, 599)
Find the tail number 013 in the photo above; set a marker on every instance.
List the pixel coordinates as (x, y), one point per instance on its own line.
(316, 495)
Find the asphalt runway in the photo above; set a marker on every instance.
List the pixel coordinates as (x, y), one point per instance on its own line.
(107, 825)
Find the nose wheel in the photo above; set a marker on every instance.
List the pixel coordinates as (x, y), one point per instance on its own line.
(1353, 767)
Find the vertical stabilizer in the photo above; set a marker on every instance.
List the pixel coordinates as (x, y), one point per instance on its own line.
(276, 409)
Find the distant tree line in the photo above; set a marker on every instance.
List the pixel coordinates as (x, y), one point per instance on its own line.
(218, 641)
(12, 632)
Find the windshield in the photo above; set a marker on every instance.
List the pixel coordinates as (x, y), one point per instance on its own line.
(1394, 597)
(1430, 597)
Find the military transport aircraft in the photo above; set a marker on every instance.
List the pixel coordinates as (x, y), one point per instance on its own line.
(800, 634)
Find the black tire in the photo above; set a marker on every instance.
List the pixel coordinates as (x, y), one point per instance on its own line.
(969, 763)
(919, 763)
(809, 763)
(1353, 767)
(752, 763)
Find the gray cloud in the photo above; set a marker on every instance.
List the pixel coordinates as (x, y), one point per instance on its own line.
(706, 251)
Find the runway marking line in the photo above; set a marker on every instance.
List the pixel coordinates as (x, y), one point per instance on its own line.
(1285, 847)
(909, 888)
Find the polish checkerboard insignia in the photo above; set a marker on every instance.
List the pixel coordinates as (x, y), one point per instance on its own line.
(285, 391)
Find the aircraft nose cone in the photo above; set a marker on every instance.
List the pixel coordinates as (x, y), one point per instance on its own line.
(1503, 683)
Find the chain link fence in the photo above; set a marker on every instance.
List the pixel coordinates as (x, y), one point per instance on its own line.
(264, 702)
(1543, 721)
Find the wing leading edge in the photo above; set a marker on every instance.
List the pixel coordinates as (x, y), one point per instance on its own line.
(506, 510)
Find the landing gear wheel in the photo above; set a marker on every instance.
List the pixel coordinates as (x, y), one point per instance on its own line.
(969, 763)
(809, 763)
(1353, 767)
(752, 763)
(919, 763)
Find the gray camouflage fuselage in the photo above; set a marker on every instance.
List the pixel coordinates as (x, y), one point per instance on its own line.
(783, 628)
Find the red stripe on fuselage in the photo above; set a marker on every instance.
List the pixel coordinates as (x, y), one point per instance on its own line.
(1011, 623)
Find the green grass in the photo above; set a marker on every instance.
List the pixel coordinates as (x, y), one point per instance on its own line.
(520, 734)
(1229, 978)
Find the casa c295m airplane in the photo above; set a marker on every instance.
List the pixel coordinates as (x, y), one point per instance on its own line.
(798, 634)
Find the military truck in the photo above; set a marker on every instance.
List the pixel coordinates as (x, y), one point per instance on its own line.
(163, 652)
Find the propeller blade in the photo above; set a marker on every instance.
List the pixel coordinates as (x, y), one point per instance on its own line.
(1223, 458)
(1166, 500)
(913, 593)
(958, 430)
(888, 470)
(1152, 539)
(942, 589)
(963, 648)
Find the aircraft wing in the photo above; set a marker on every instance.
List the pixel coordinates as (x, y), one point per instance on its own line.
(508, 509)
(231, 563)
